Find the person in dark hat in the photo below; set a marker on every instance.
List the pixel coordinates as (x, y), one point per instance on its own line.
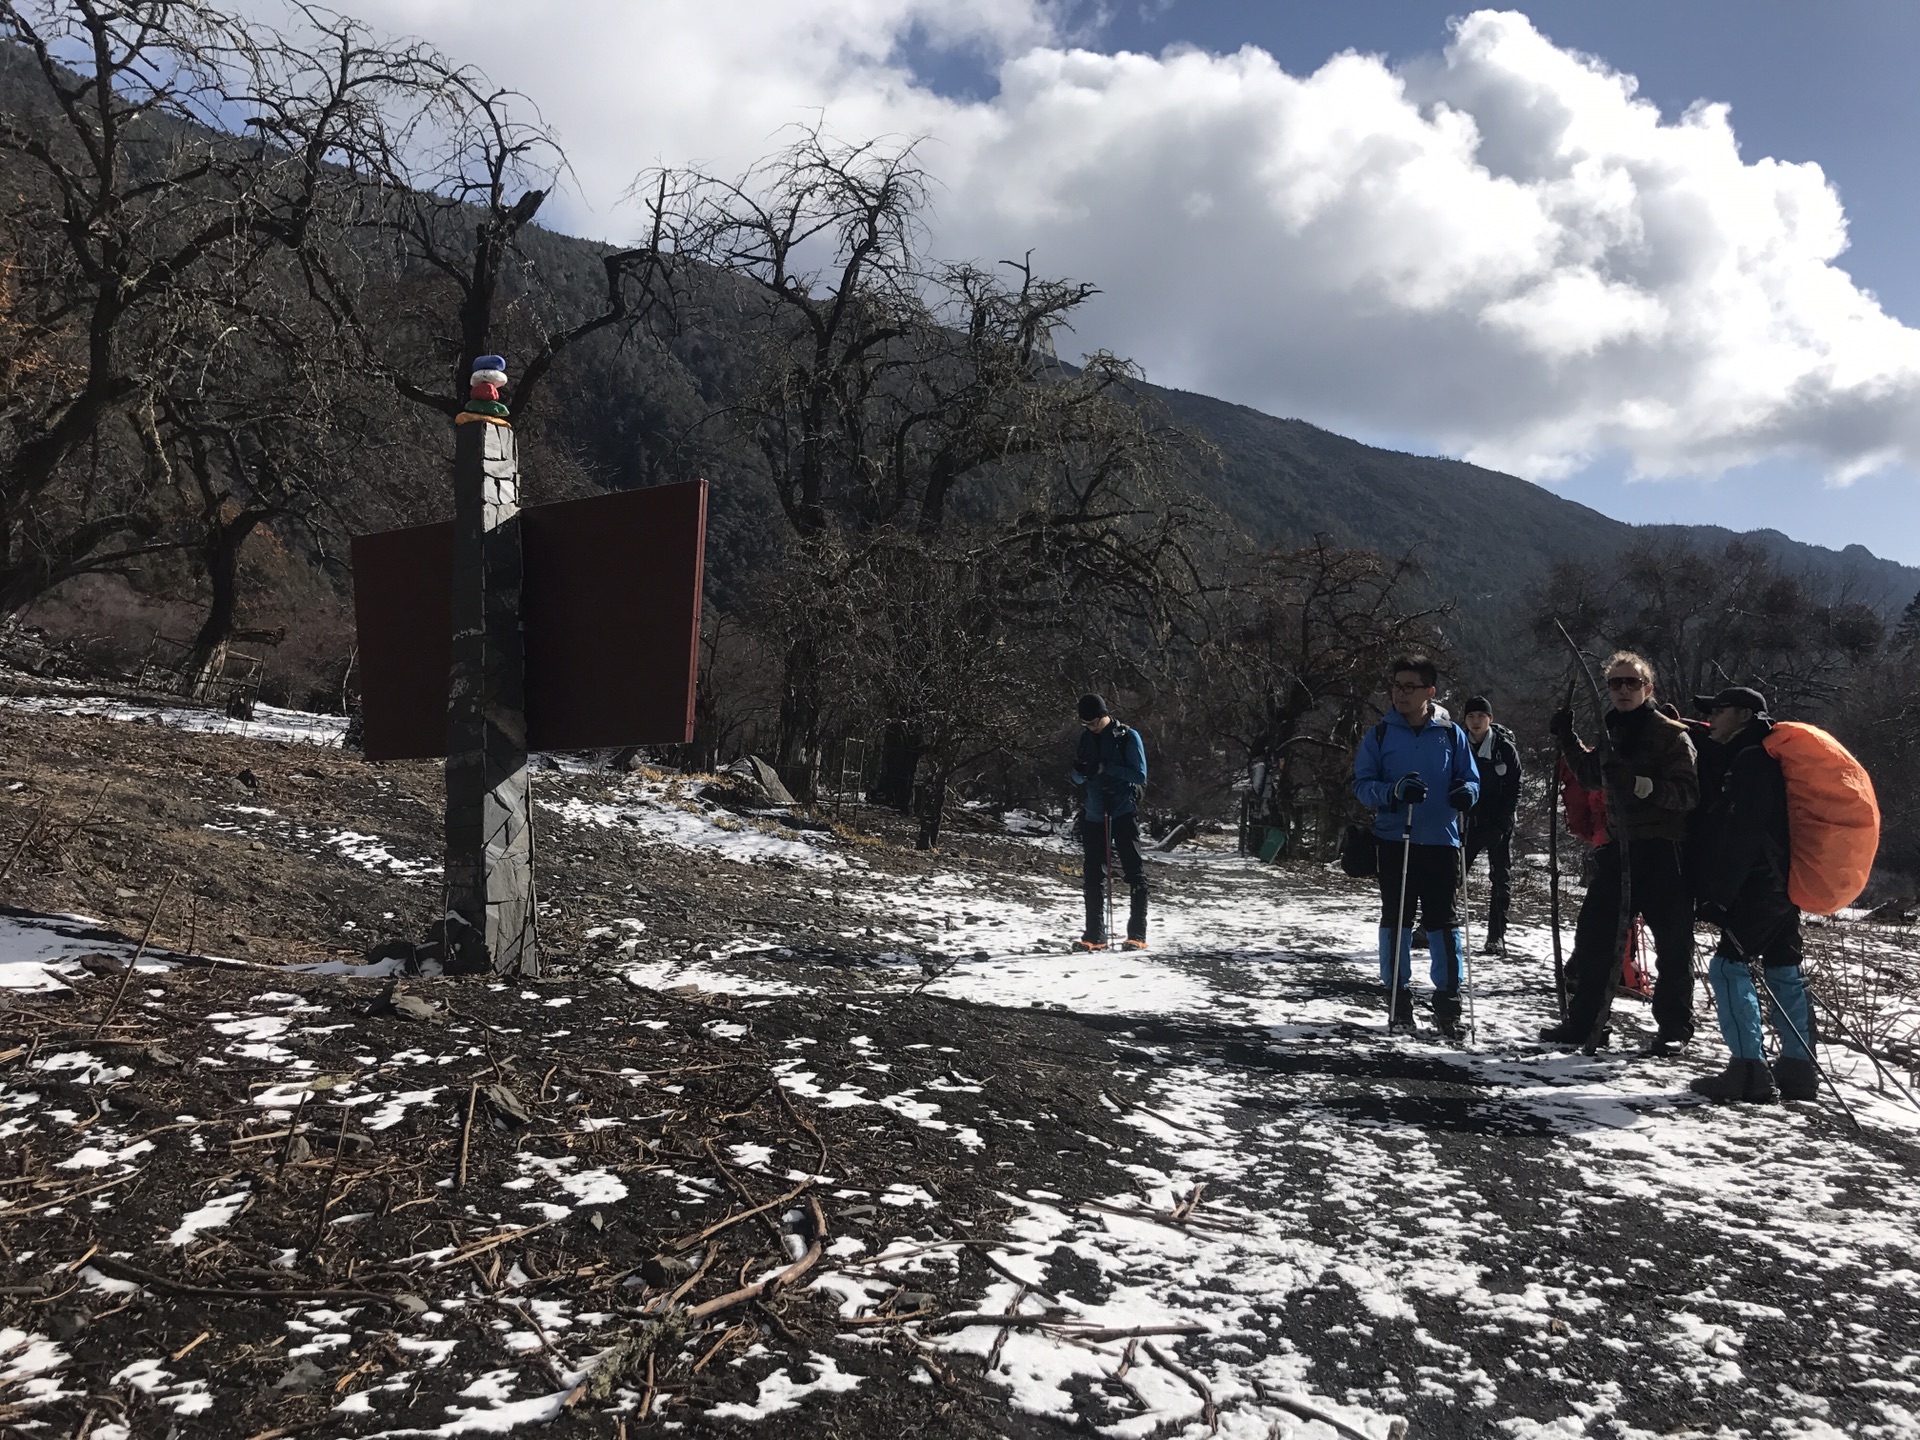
(1110, 765)
(1489, 824)
(1739, 855)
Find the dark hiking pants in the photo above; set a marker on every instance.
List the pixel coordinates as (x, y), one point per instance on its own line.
(1660, 898)
(1126, 854)
(1497, 846)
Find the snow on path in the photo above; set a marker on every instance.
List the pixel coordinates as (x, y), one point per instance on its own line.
(1532, 1244)
(269, 722)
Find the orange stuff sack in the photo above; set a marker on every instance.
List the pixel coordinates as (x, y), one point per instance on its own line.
(1833, 819)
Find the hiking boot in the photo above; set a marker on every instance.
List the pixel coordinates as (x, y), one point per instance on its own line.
(1743, 1080)
(1087, 945)
(1495, 943)
(1446, 1015)
(1403, 1010)
(1132, 944)
(1666, 1042)
(1566, 1034)
(1797, 1078)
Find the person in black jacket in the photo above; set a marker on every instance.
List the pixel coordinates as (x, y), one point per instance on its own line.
(1490, 822)
(1739, 854)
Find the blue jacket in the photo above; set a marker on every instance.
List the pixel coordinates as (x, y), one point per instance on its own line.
(1110, 764)
(1442, 754)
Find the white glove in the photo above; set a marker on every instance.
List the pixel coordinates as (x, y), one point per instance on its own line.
(1642, 786)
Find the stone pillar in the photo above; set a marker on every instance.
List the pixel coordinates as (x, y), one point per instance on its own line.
(490, 920)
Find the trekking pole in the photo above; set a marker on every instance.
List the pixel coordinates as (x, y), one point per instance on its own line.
(1759, 975)
(1462, 977)
(1845, 1033)
(1108, 878)
(1553, 874)
(1399, 922)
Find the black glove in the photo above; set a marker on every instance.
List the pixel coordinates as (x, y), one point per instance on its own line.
(1411, 789)
(1561, 726)
(1460, 797)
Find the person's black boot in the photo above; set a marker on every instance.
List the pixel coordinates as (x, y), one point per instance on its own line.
(1495, 942)
(1742, 1080)
(1667, 1041)
(1403, 1010)
(1797, 1078)
(1137, 918)
(1094, 937)
(1446, 1015)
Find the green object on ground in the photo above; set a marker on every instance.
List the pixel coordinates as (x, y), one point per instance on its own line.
(1273, 842)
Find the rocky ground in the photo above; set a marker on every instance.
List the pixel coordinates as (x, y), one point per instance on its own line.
(809, 1133)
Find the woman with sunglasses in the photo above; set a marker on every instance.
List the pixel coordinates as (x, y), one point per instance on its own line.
(1651, 782)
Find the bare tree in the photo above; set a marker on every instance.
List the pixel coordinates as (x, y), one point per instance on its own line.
(1294, 670)
(883, 382)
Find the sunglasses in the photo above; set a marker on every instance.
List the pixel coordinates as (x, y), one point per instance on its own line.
(1624, 682)
(1413, 689)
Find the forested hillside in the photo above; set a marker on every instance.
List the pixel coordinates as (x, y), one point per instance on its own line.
(226, 352)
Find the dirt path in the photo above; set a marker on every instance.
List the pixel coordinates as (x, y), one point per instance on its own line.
(1146, 1195)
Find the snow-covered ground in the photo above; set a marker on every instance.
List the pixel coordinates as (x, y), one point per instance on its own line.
(1316, 1216)
(269, 722)
(1561, 1245)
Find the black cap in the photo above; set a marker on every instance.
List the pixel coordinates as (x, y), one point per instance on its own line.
(1741, 697)
(1092, 707)
(1477, 705)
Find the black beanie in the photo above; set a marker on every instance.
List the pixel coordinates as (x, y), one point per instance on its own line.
(1092, 707)
(1477, 703)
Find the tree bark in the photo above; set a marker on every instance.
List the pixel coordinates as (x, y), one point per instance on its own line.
(900, 752)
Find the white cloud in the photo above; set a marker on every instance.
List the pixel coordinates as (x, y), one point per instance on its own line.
(1500, 249)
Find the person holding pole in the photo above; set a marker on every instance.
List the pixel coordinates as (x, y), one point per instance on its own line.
(1741, 856)
(1417, 772)
(1650, 782)
(1110, 764)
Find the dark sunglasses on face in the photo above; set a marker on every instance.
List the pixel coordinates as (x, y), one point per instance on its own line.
(1624, 682)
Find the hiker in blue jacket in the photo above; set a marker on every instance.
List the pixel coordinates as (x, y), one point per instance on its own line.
(1416, 762)
(1110, 764)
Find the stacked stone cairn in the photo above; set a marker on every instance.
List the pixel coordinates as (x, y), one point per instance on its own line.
(483, 402)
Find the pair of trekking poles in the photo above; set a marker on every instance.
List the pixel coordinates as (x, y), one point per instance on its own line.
(1463, 980)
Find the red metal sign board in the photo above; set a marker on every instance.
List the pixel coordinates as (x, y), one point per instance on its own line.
(611, 609)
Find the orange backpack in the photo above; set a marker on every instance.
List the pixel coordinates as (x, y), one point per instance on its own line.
(1833, 819)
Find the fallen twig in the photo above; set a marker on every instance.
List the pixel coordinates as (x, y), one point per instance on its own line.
(109, 1266)
(688, 1242)
(1209, 1411)
(466, 1136)
(126, 977)
(760, 1287)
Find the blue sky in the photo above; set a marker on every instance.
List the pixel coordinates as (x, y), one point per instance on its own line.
(1831, 82)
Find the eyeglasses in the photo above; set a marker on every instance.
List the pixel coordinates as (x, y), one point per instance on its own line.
(1413, 689)
(1624, 682)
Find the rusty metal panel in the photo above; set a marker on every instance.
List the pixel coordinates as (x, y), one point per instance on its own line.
(403, 612)
(612, 612)
(612, 616)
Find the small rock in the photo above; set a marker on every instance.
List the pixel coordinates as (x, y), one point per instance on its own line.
(302, 1377)
(154, 1055)
(248, 780)
(101, 964)
(506, 1105)
(125, 894)
(298, 1149)
(664, 1270)
(67, 1324)
(413, 1007)
(910, 1300)
(411, 1303)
